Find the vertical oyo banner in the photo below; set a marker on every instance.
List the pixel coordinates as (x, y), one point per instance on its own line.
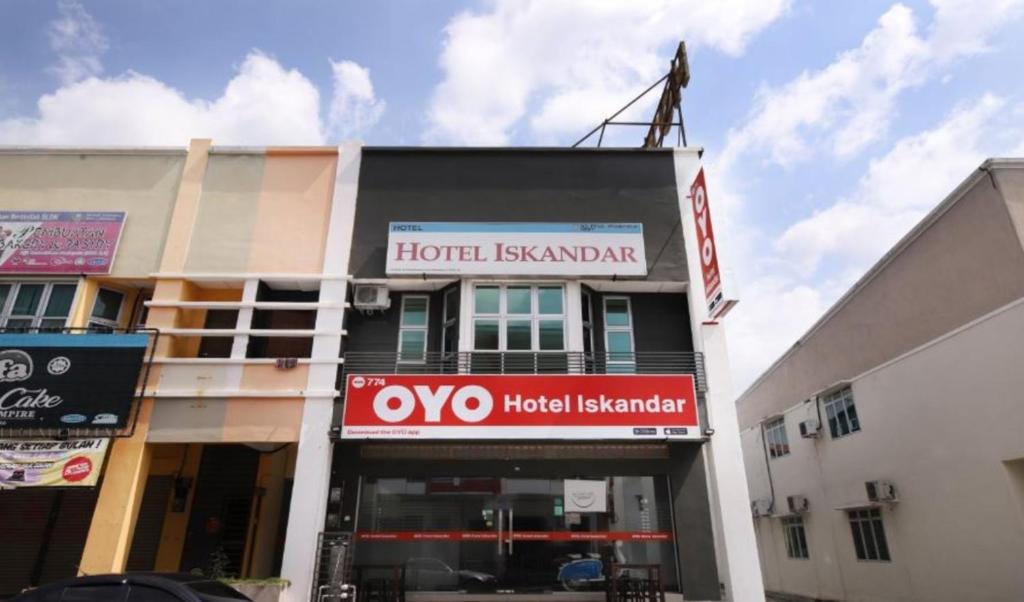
(713, 294)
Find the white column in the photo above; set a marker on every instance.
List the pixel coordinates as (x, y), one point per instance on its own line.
(735, 542)
(313, 460)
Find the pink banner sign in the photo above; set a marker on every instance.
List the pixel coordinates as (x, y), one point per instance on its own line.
(66, 242)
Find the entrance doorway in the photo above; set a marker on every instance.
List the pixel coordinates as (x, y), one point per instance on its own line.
(511, 535)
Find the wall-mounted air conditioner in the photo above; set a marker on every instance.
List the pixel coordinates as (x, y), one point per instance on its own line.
(760, 508)
(880, 491)
(797, 504)
(810, 428)
(369, 297)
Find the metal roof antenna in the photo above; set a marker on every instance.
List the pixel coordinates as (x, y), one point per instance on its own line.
(670, 107)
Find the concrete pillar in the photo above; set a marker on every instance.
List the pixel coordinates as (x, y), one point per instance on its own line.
(313, 461)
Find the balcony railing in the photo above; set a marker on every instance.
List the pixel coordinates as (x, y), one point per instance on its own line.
(528, 362)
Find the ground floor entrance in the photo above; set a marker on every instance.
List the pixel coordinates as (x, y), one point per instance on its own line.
(482, 521)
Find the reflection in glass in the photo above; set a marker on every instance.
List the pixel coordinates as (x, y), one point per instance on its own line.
(485, 334)
(518, 335)
(518, 300)
(551, 335)
(485, 300)
(549, 299)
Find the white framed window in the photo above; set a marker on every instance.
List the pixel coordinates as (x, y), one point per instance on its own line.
(450, 322)
(796, 537)
(30, 305)
(618, 335)
(776, 439)
(518, 317)
(869, 541)
(106, 310)
(841, 413)
(413, 328)
(587, 315)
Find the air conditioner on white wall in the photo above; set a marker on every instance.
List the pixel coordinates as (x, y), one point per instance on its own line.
(809, 428)
(797, 504)
(759, 508)
(880, 491)
(371, 297)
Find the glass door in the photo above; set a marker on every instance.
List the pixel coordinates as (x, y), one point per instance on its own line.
(512, 535)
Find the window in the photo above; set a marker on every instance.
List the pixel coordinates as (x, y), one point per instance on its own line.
(796, 537)
(587, 312)
(775, 437)
(106, 310)
(618, 335)
(841, 412)
(869, 534)
(450, 328)
(412, 332)
(43, 305)
(518, 317)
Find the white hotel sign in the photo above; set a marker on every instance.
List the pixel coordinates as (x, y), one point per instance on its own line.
(527, 249)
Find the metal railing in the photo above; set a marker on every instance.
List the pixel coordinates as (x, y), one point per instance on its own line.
(332, 579)
(528, 362)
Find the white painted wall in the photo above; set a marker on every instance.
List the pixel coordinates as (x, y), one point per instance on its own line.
(943, 423)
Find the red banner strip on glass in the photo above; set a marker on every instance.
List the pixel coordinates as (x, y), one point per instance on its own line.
(516, 536)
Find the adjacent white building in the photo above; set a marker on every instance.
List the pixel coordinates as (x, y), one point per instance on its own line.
(884, 450)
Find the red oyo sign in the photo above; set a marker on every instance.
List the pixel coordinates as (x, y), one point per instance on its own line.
(566, 406)
(713, 294)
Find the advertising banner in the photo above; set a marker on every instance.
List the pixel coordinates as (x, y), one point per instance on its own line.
(69, 380)
(73, 463)
(463, 406)
(713, 294)
(527, 249)
(69, 242)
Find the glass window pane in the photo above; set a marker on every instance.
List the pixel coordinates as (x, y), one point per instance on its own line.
(5, 290)
(518, 300)
(28, 299)
(451, 334)
(413, 344)
(616, 312)
(486, 300)
(586, 308)
(619, 342)
(518, 335)
(451, 305)
(551, 335)
(485, 334)
(549, 299)
(107, 305)
(414, 311)
(858, 544)
(851, 413)
(19, 323)
(52, 324)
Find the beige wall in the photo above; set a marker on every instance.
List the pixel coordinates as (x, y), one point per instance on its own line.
(967, 263)
(944, 425)
(142, 184)
(223, 231)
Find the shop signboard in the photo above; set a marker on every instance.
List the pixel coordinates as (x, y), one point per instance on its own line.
(713, 294)
(583, 495)
(526, 249)
(71, 463)
(542, 406)
(66, 381)
(63, 242)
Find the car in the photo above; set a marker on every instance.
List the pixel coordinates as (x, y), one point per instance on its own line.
(134, 587)
(431, 574)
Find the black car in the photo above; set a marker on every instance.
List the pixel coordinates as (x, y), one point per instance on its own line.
(134, 587)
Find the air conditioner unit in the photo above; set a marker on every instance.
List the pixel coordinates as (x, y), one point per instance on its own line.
(759, 508)
(810, 428)
(880, 491)
(798, 504)
(371, 297)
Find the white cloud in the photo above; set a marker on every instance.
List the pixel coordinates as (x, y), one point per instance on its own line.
(354, 108)
(78, 41)
(894, 194)
(570, 63)
(848, 104)
(263, 103)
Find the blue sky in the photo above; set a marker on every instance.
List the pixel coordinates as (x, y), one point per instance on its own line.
(830, 127)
